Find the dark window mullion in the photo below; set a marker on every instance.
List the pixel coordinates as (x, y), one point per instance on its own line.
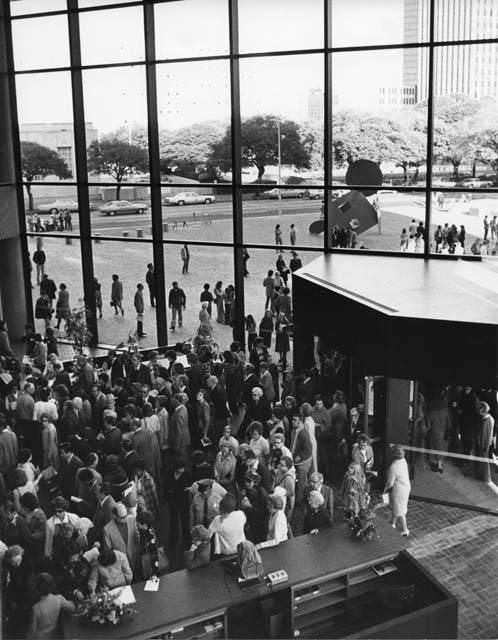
(82, 169)
(430, 134)
(235, 121)
(155, 175)
(327, 126)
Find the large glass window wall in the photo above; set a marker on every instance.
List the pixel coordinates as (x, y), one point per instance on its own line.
(210, 122)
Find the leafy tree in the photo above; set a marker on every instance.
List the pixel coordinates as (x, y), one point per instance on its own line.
(186, 151)
(312, 137)
(451, 144)
(116, 158)
(409, 149)
(364, 137)
(259, 145)
(346, 137)
(488, 140)
(37, 160)
(457, 119)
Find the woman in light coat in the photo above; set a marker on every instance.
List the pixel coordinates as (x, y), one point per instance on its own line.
(205, 326)
(398, 487)
(49, 443)
(310, 426)
(483, 441)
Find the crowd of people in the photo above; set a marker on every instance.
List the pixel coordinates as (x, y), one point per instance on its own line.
(217, 303)
(93, 455)
(57, 221)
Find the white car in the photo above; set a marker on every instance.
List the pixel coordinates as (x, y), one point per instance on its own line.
(117, 207)
(60, 205)
(315, 194)
(273, 194)
(476, 183)
(189, 197)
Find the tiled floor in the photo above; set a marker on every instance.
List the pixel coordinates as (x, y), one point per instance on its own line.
(460, 548)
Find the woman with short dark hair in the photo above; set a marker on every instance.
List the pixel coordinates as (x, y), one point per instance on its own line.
(228, 526)
(112, 570)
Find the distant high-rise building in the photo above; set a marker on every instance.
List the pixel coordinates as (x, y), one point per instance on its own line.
(58, 136)
(315, 105)
(470, 69)
(397, 97)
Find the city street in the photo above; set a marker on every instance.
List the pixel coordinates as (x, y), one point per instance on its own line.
(209, 263)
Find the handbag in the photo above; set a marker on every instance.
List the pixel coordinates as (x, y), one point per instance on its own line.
(147, 563)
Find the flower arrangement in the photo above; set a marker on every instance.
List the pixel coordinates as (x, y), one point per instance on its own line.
(362, 525)
(103, 608)
(77, 329)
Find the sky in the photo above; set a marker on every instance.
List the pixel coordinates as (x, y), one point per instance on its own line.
(200, 91)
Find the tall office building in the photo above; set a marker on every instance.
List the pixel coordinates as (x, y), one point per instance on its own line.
(315, 105)
(465, 69)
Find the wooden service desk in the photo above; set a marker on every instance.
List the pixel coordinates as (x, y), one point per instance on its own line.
(331, 591)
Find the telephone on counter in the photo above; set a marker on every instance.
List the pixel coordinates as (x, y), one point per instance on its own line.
(276, 577)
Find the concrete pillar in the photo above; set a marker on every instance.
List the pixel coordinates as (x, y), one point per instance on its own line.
(15, 290)
(397, 406)
(13, 301)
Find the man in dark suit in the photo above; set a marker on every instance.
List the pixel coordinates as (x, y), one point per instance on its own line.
(67, 472)
(181, 386)
(112, 444)
(105, 508)
(129, 458)
(61, 376)
(218, 398)
(258, 408)
(253, 465)
(250, 381)
(99, 404)
(121, 392)
(120, 367)
(194, 373)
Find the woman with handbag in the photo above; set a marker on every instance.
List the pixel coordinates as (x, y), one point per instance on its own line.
(153, 559)
(398, 487)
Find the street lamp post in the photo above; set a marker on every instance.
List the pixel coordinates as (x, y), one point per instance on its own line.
(279, 152)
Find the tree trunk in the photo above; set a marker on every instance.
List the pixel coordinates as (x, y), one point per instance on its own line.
(261, 170)
(30, 197)
(404, 166)
(456, 166)
(118, 189)
(474, 165)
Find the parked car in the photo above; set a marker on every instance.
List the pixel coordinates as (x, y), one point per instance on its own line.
(189, 197)
(475, 183)
(116, 207)
(315, 194)
(61, 205)
(272, 194)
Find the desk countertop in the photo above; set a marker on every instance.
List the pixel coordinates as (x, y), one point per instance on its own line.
(207, 591)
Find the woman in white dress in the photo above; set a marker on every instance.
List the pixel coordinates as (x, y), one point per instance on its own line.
(398, 487)
(277, 524)
(310, 426)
